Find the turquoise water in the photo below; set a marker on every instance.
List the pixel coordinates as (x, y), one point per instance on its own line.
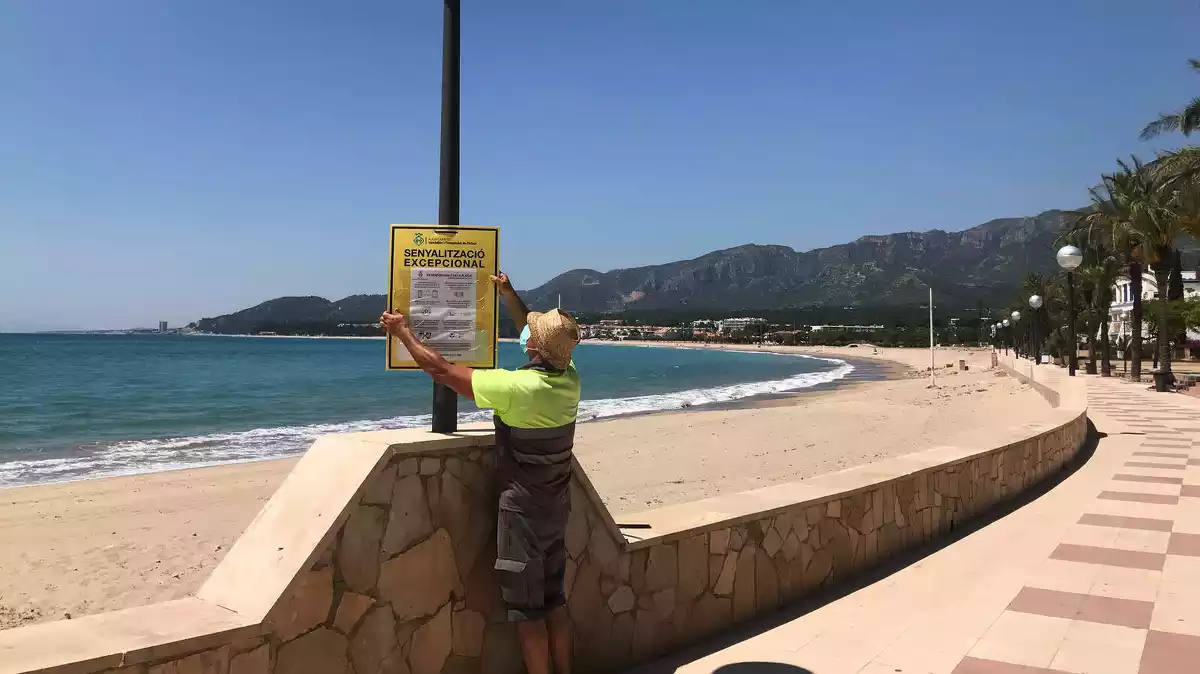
(77, 406)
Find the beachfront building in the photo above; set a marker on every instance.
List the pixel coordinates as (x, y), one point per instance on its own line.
(742, 327)
(846, 328)
(1121, 309)
(741, 323)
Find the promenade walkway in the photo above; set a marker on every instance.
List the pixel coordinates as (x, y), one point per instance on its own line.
(1099, 574)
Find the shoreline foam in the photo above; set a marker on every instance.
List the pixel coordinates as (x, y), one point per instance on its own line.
(137, 457)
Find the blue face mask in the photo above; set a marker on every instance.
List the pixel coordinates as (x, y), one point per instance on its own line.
(525, 340)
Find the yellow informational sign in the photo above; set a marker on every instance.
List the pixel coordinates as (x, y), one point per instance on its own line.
(440, 280)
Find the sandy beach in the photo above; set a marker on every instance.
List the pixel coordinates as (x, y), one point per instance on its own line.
(99, 545)
(800, 436)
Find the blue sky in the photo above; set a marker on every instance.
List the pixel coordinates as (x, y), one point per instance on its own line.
(172, 160)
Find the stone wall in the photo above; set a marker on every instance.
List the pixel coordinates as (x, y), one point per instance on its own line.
(1027, 373)
(630, 604)
(376, 556)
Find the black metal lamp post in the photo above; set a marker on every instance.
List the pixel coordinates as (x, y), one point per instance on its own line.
(445, 400)
(1016, 318)
(1005, 323)
(1069, 258)
(1035, 303)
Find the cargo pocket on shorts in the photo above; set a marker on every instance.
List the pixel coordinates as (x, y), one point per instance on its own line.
(514, 548)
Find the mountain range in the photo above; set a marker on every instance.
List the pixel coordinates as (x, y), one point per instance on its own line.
(981, 264)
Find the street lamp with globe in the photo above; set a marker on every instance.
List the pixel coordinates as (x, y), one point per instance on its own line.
(1016, 318)
(1005, 323)
(1035, 303)
(1069, 258)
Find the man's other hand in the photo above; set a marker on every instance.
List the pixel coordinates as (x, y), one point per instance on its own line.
(503, 285)
(393, 324)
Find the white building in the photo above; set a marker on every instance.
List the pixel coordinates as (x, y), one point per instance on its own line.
(1121, 310)
(731, 326)
(740, 323)
(847, 328)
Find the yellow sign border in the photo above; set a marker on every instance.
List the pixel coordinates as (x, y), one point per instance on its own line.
(493, 270)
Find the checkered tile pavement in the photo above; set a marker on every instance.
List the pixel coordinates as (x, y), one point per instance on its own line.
(1120, 594)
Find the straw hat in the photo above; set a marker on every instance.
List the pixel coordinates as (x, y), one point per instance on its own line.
(555, 334)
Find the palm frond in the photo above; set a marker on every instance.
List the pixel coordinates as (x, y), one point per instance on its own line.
(1189, 119)
(1165, 123)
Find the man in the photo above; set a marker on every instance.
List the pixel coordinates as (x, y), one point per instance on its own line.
(535, 410)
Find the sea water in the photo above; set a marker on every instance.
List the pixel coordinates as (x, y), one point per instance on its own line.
(80, 406)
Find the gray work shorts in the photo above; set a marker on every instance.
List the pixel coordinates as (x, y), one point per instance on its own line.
(531, 561)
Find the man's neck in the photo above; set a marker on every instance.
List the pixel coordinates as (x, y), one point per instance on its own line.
(536, 362)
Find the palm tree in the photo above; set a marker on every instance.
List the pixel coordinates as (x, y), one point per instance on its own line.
(1139, 208)
(1089, 288)
(1186, 120)
(1174, 313)
(1110, 271)
(1097, 277)
(1101, 269)
(1107, 221)
(1151, 201)
(1181, 169)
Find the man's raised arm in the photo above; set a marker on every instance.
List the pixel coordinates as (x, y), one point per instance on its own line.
(457, 377)
(512, 300)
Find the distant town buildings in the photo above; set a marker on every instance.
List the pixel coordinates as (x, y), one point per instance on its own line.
(735, 329)
(162, 326)
(616, 331)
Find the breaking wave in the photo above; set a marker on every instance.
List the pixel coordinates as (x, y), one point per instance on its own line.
(129, 457)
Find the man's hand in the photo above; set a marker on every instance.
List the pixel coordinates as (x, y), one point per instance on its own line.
(394, 324)
(456, 377)
(511, 300)
(503, 285)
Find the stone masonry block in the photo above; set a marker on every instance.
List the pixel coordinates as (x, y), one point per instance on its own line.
(409, 521)
(321, 651)
(350, 610)
(693, 566)
(431, 644)
(422, 579)
(257, 661)
(744, 595)
(374, 640)
(306, 607)
(718, 541)
(725, 581)
(378, 490)
(662, 570)
(358, 552)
